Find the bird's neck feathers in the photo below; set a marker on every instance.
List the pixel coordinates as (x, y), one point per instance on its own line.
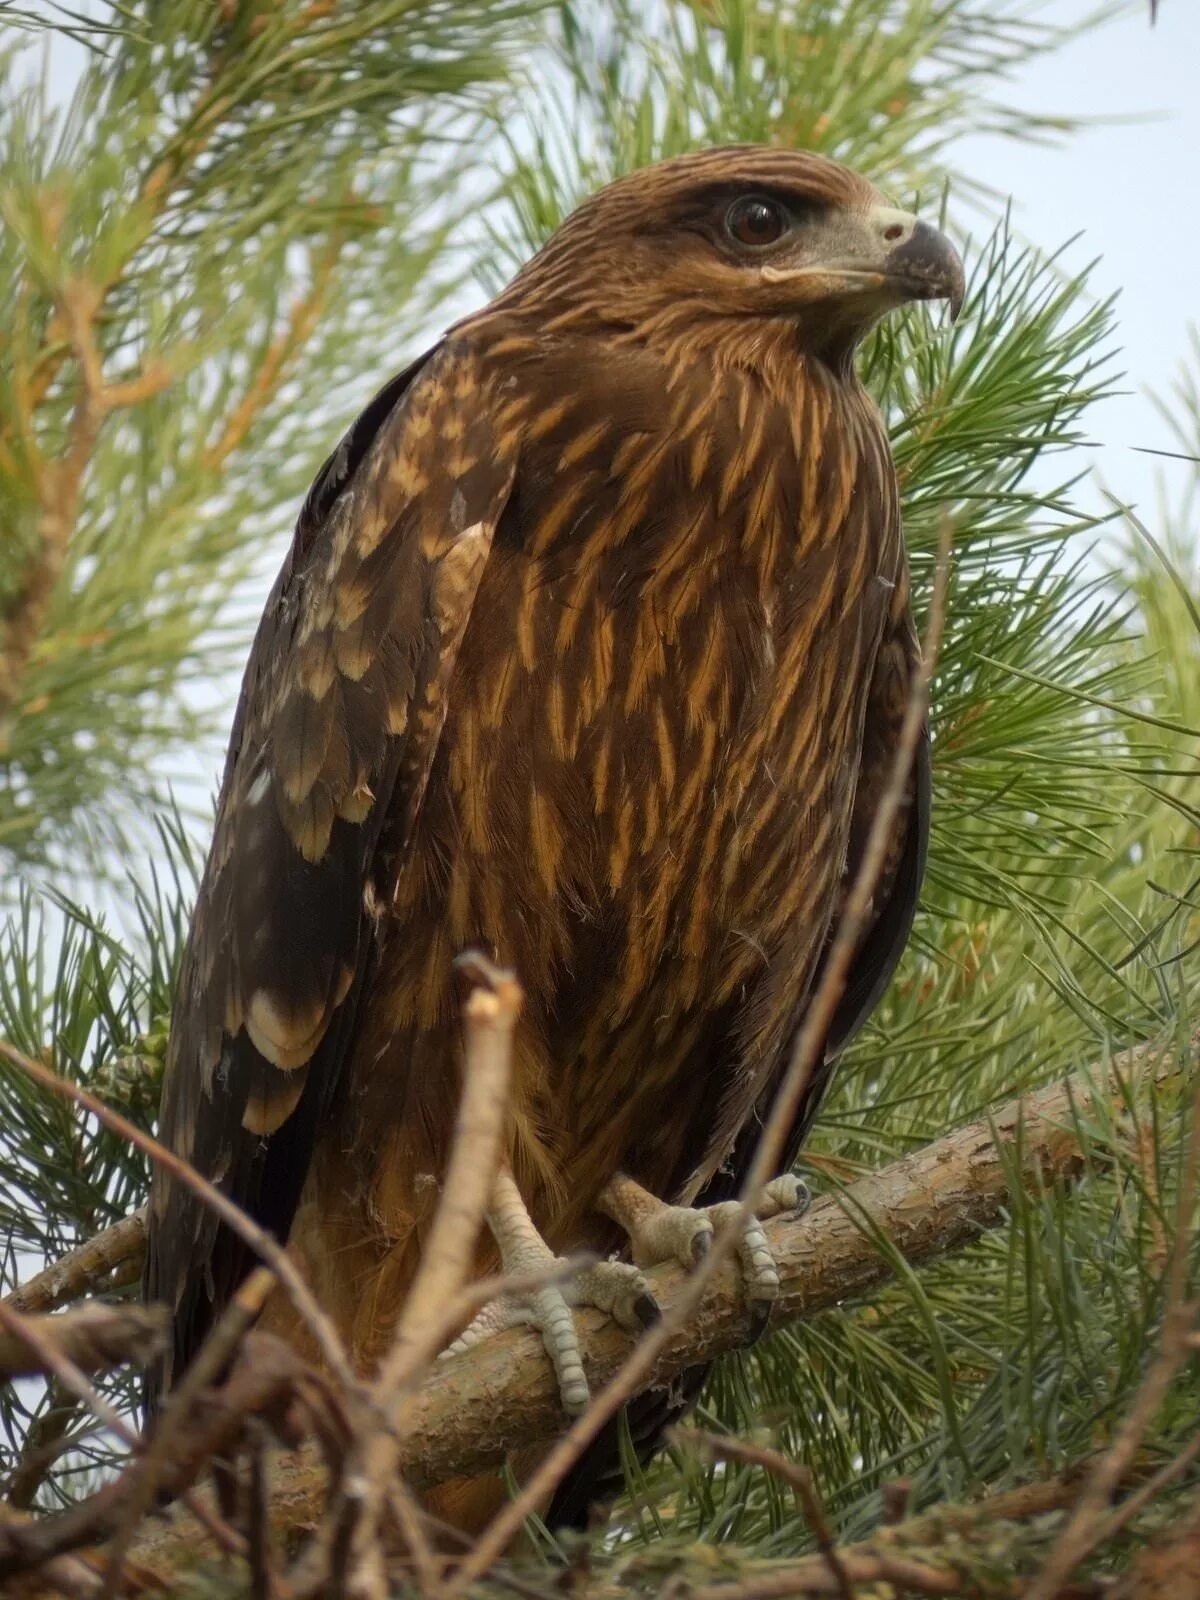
(681, 334)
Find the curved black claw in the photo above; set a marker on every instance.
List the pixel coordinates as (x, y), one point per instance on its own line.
(760, 1318)
(647, 1310)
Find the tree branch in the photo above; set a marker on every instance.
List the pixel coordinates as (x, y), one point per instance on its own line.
(60, 483)
(298, 328)
(111, 1260)
(501, 1395)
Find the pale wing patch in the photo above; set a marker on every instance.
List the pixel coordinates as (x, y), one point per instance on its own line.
(284, 1035)
(268, 1108)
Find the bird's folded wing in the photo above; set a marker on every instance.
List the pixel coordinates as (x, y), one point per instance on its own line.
(341, 710)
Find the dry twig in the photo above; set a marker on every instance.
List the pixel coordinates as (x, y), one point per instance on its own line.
(235, 1219)
(93, 1338)
(52, 1358)
(48, 1355)
(211, 1359)
(266, 1381)
(490, 1015)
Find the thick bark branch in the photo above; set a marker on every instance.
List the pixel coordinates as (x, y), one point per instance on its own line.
(501, 1394)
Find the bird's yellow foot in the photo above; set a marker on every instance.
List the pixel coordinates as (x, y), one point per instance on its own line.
(615, 1287)
(659, 1232)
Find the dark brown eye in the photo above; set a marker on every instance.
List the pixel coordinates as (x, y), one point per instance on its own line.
(755, 221)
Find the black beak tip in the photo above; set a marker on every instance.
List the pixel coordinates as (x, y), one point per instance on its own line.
(932, 264)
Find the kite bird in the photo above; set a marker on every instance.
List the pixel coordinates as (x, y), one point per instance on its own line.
(591, 651)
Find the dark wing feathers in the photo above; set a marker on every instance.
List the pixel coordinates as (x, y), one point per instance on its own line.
(340, 713)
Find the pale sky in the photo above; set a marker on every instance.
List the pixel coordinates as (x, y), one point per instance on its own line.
(1131, 190)
(1127, 186)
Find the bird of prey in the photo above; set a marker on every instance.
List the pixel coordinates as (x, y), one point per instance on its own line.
(590, 651)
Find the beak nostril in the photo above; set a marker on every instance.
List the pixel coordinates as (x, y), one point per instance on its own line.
(894, 232)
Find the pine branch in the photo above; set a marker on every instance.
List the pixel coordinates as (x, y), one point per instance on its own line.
(111, 1260)
(501, 1395)
(198, 257)
(59, 483)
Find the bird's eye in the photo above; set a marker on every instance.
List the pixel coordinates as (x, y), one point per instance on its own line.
(755, 222)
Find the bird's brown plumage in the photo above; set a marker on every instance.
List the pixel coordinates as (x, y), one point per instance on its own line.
(591, 649)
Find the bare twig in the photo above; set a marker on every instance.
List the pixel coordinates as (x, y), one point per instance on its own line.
(490, 1015)
(793, 1473)
(410, 1519)
(768, 1154)
(235, 1219)
(51, 1358)
(215, 1353)
(258, 1521)
(266, 1381)
(110, 1260)
(93, 1337)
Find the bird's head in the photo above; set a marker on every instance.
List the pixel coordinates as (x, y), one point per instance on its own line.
(749, 247)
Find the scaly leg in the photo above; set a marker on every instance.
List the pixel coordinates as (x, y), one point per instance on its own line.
(660, 1232)
(615, 1287)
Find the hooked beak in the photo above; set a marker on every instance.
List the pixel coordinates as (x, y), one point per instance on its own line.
(927, 265)
(880, 256)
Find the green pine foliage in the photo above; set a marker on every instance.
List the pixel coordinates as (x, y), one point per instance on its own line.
(1061, 917)
(207, 256)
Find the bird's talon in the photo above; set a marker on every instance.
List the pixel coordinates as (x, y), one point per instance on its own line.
(760, 1317)
(618, 1288)
(787, 1193)
(648, 1310)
